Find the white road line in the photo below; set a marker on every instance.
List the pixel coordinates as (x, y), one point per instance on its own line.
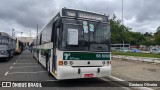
(26, 67)
(11, 67)
(6, 73)
(51, 80)
(126, 88)
(139, 88)
(118, 79)
(27, 72)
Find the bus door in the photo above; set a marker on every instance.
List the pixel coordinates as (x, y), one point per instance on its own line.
(54, 39)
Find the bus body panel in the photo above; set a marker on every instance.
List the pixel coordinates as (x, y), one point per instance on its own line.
(68, 72)
(71, 71)
(7, 46)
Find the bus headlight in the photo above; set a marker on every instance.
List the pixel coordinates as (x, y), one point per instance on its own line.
(71, 62)
(103, 62)
(107, 62)
(3, 52)
(65, 62)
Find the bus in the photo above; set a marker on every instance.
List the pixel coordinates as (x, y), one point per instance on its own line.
(19, 47)
(7, 46)
(75, 44)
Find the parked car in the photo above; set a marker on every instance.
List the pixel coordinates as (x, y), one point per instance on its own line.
(124, 50)
(155, 51)
(135, 50)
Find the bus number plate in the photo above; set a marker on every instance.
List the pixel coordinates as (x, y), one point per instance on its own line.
(88, 75)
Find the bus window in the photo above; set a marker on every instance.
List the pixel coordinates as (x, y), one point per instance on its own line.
(94, 38)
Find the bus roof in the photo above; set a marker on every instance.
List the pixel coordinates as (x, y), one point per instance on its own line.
(84, 14)
(5, 34)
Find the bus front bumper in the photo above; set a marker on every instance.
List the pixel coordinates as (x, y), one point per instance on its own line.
(68, 72)
(4, 56)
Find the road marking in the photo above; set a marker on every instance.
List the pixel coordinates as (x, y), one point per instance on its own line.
(11, 67)
(6, 73)
(27, 72)
(51, 80)
(139, 88)
(116, 84)
(26, 67)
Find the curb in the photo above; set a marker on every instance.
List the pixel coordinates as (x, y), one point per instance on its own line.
(141, 59)
(125, 82)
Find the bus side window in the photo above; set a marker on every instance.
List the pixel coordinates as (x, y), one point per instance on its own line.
(40, 39)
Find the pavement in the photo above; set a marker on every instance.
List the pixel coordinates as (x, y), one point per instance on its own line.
(25, 68)
(135, 70)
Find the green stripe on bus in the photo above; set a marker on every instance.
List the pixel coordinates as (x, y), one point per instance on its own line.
(85, 56)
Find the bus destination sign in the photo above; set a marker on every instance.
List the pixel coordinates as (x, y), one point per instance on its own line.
(83, 14)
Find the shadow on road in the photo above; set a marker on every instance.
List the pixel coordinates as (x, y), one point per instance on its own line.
(89, 82)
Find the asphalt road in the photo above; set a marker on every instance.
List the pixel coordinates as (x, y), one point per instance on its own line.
(25, 68)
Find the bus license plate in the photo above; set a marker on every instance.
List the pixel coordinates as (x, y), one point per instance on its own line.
(88, 75)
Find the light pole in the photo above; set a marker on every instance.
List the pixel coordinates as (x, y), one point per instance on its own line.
(30, 34)
(12, 32)
(123, 24)
(21, 36)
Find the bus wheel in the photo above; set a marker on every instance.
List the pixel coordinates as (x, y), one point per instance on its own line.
(48, 68)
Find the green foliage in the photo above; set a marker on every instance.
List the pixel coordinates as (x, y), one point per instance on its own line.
(120, 32)
(157, 39)
(157, 36)
(147, 34)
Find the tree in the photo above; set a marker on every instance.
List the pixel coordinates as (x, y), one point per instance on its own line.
(157, 36)
(120, 32)
(147, 34)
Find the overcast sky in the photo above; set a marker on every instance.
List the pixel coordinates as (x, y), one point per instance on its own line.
(24, 15)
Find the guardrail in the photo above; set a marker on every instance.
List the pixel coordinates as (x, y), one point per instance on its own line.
(142, 59)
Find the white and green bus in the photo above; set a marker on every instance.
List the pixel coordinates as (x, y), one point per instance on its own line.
(75, 44)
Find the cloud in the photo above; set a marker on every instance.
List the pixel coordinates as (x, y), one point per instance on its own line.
(24, 15)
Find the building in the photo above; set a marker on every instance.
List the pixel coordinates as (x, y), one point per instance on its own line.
(26, 40)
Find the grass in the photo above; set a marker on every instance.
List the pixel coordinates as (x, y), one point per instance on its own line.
(136, 54)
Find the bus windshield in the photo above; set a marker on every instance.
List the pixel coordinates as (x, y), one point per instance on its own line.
(85, 36)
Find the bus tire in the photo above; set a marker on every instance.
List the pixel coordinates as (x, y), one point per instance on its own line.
(48, 67)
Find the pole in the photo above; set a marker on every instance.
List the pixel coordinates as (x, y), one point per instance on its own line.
(12, 32)
(37, 35)
(30, 33)
(21, 36)
(37, 29)
(122, 24)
